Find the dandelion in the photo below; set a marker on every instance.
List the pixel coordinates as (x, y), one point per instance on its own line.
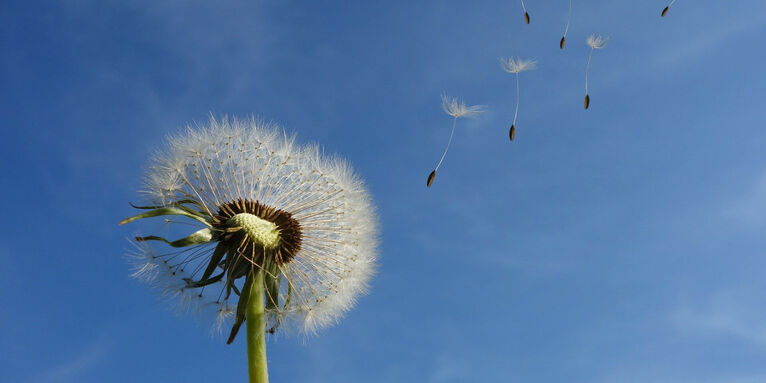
(455, 109)
(516, 66)
(566, 28)
(665, 11)
(594, 42)
(286, 235)
(524, 8)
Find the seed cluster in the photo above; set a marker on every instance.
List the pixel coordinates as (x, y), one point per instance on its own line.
(516, 66)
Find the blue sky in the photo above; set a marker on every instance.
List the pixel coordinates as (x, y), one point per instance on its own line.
(620, 244)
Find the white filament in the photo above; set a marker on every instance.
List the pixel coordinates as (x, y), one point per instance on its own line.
(454, 121)
(587, 69)
(516, 113)
(569, 19)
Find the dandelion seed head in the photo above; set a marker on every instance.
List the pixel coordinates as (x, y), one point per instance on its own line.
(304, 218)
(458, 109)
(596, 41)
(517, 65)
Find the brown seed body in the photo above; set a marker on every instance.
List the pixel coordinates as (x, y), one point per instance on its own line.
(561, 43)
(512, 132)
(665, 11)
(431, 179)
(587, 101)
(526, 17)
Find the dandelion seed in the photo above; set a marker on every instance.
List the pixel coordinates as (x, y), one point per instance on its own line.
(665, 11)
(455, 109)
(566, 28)
(524, 8)
(516, 66)
(287, 237)
(594, 42)
(431, 178)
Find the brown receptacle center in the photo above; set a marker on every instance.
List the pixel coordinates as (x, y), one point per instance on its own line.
(290, 234)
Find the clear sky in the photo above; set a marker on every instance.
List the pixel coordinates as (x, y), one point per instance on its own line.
(620, 244)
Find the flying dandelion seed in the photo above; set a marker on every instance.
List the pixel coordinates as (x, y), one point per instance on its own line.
(566, 29)
(516, 66)
(524, 8)
(286, 235)
(594, 42)
(665, 11)
(455, 109)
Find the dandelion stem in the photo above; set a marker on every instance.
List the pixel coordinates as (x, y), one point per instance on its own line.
(516, 113)
(587, 68)
(256, 331)
(454, 121)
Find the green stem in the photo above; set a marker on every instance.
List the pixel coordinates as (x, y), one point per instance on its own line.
(256, 331)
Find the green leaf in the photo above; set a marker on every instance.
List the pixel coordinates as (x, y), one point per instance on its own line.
(181, 205)
(241, 308)
(215, 259)
(203, 282)
(236, 267)
(167, 211)
(196, 238)
(272, 277)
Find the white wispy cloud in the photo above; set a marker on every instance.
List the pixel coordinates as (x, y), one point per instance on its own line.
(730, 313)
(75, 366)
(750, 206)
(690, 48)
(643, 375)
(450, 368)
